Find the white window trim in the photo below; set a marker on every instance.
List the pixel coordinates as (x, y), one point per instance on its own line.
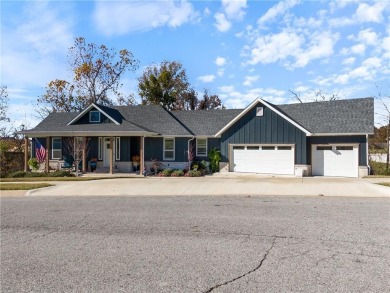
(117, 148)
(100, 149)
(90, 116)
(197, 144)
(174, 154)
(53, 149)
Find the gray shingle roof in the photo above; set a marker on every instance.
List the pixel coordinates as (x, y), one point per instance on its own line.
(343, 116)
(206, 122)
(340, 116)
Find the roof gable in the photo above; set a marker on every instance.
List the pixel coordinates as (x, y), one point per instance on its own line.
(268, 105)
(102, 109)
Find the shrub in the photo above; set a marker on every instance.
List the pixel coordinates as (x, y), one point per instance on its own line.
(166, 172)
(214, 157)
(378, 168)
(21, 174)
(33, 163)
(60, 173)
(193, 173)
(177, 173)
(17, 174)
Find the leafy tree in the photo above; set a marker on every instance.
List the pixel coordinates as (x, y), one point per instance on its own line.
(97, 72)
(166, 85)
(209, 102)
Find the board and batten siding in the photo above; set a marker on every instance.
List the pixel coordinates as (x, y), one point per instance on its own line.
(355, 139)
(270, 128)
(154, 148)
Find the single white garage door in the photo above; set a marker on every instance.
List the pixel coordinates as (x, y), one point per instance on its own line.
(335, 160)
(264, 159)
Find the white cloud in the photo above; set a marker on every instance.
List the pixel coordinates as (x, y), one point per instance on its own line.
(220, 61)
(320, 46)
(118, 18)
(207, 78)
(275, 47)
(364, 13)
(349, 61)
(222, 24)
(250, 79)
(206, 12)
(358, 49)
(372, 62)
(368, 36)
(221, 71)
(33, 52)
(374, 13)
(234, 9)
(279, 9)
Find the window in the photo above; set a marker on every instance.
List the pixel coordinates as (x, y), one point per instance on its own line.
(201, 147)
(56, 151)
(169, 148)
(344, 148)
(94, 116)
(324, 148)
(268, 148)
(252, 148)
(100, 149)
(259, 111)
(238, 147)
(117, 148)
(285, 148)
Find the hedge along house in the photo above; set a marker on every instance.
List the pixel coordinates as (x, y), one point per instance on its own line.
(318, 138)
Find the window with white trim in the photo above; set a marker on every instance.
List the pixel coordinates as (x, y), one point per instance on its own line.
(100, 149)
(201, 147)
(94, 116)
(117, 148)
(56, 149)
(169, 148)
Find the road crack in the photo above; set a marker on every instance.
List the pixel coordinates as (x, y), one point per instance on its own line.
(247, 273)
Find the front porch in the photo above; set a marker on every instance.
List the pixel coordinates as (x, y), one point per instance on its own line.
(105, 154)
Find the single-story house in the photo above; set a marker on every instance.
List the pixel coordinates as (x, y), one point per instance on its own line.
(318, 138)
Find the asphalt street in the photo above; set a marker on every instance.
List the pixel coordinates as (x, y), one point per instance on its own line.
(195, 244)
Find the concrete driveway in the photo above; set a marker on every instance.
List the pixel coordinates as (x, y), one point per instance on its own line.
(218, 184)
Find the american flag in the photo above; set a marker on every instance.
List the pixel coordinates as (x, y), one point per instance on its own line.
(40, 152)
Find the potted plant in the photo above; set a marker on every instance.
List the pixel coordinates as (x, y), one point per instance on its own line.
(136, 159)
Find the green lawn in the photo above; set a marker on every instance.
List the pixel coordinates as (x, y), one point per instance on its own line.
(23, 186)
(38, 179)
(385, 184)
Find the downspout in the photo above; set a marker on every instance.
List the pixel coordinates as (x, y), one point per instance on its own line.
(188, 152)
(368, 165)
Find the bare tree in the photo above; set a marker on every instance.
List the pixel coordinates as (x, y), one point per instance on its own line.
(317, 96)
(384, 100)
(77, 147)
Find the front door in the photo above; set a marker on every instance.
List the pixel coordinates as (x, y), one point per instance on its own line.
(106, 153)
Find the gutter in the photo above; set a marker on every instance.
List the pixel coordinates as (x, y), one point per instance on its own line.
(368, 165)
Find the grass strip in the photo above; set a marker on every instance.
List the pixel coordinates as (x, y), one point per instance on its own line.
(38, 179)
(384, 184)
(23, 186)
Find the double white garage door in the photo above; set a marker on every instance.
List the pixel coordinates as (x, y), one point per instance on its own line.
(335, 160)
(266, 159)
(327, 160)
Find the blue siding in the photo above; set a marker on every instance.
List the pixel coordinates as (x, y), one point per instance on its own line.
(211, 143)
(360, 139)
(270, 128)
(154, 148)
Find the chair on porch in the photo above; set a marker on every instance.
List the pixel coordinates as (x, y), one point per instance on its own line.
(67, 164)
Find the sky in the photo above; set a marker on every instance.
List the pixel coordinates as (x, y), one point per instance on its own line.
(237, 49)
